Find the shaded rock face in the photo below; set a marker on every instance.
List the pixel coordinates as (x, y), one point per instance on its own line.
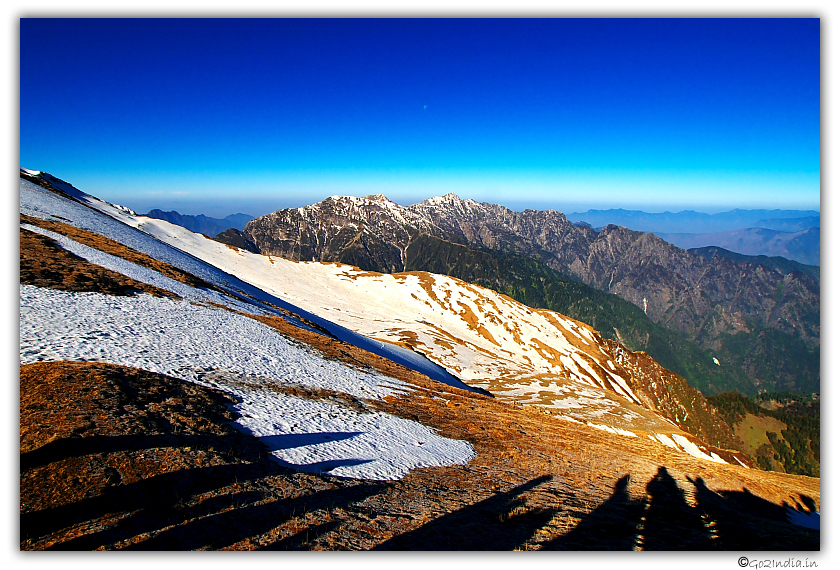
(238, 239)
(706, 299)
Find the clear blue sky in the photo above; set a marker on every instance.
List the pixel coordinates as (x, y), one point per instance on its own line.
(217, 116)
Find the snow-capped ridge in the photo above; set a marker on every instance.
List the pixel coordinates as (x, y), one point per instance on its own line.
(189, 337)
(451, 199)
(455, 332)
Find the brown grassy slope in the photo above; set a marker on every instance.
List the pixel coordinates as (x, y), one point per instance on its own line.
(116, 249)
(44, 263)
(537, 482)
(113, 457)
(672, 396)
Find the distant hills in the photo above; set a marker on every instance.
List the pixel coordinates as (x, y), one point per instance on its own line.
(689, 221)
(802, 246)
(730, 325)
(793, 234)
(202, 224)
(781, 264)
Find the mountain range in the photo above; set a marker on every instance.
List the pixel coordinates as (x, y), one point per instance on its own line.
(760, 323)
(701, 222)
(202, 224)
(182, 393)
(802, 246)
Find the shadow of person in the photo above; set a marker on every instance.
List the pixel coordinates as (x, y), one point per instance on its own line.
(810, 504)
(670, 523)
(741, 520)
(485, 525)
(610, 526)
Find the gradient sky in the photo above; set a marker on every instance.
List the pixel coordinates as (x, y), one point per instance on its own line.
(219, 116)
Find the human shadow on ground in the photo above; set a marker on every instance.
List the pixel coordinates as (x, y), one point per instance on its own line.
(664, 520)
(302, 539)
(227, 528)
(150, 499)
(491, 524)
(670, 523)
(67, 447)
(744, 521)
(610, 526)
(79, 446)
(292, 440)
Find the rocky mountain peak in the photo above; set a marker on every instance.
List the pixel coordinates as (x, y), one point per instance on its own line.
(379, 198)
(708, 300)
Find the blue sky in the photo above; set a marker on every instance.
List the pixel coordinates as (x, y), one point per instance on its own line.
(217, 116)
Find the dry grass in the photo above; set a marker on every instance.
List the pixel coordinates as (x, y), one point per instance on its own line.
(113, 457)
(116, 249)
(44, 263)
(119, 458)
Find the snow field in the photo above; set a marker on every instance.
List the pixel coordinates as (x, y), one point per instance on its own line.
(120, 224)
(144, 274)
(610, 429)
(384, 306)
(185, 340)
(682, 443)
(317, 436)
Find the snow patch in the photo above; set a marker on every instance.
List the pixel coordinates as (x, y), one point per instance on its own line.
(184, 340)
(316, 436)
(611, 429)
(691, 448)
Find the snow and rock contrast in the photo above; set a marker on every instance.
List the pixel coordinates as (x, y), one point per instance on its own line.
(179, 393)
(488, 340)
(460, 334)
(202, 334)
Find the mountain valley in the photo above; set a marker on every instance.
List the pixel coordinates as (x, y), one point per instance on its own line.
(397, 392)
(741, 312)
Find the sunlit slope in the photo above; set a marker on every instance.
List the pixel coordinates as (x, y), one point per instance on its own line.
(439, 323)
(486, 339)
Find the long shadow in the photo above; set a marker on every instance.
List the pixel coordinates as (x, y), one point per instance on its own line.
(610, 526)
(153, 498)
(670, 523)
(292, 440)
(743, 521)
(726, 520)
(302, 540)
(324, 466)
(486, 525)
(229, 527)
(79, 446)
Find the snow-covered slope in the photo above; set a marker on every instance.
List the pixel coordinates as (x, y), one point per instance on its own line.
(438, 325)
(181, 339)
(535, 357)
(485, 339)
(200, 338)
(120, 224)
